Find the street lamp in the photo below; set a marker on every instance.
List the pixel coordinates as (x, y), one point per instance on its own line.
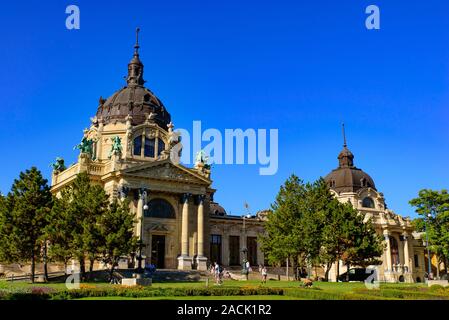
(244, 249)
(427, 246)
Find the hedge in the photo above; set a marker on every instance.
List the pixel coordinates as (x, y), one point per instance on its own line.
(138, 292)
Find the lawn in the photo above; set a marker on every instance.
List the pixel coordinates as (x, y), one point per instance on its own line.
(240, 290)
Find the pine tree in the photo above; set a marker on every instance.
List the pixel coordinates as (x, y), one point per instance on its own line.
(24, 218)
(116, 228)
(85, 203)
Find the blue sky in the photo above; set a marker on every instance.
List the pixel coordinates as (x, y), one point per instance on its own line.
(300, 66)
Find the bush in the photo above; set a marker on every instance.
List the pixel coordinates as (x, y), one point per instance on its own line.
(436, 287)
(134, 292)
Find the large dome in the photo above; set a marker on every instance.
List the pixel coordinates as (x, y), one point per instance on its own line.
(347, 177)
(133, 100)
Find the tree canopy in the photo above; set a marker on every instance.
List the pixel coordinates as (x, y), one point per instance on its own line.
(309, 225)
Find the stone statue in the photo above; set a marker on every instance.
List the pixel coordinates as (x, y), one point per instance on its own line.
(58, 165)
(116, 148)
(85, 146)
(202, 160)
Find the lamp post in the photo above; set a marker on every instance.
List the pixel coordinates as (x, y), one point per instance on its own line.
(427, 246)
(245, 249)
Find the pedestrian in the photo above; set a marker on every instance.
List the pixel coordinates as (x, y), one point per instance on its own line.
(264, 274)
(217, 273)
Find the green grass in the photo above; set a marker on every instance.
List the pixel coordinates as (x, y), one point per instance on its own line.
(261, 297)
(291, 289)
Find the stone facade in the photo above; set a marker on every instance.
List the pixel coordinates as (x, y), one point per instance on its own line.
(130, 155)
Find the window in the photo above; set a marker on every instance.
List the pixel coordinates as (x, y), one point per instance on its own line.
(394, 247)
(137, 146)
(160, 208)
(251, 243)
(149, 147)
(368, 203)
(160, 146)
(416, 261)
(215, 248)
(234, 250)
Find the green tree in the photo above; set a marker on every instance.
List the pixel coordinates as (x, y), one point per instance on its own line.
(79, 207)
(310, 226)
(24, 217)
(283, 231)
(58, 230)
(433, 207)
(116, 227)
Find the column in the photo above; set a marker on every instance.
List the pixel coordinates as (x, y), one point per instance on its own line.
(185, 261)
(201, 259)
(201, 225)
(407, 253)
(139, 226)
(139, 217)
(388, 252)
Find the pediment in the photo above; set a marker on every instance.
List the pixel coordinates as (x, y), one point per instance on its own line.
(166, 170)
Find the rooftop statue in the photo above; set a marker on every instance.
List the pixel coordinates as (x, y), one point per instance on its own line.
(203, 159)
(86, 146)
(116, 148)
(58, 165)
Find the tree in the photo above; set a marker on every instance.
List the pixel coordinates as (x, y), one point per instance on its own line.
(310, 226)
(116, 227)
(433, 207)
(6, 225)
(58, 230)
(283, 232)
(24, 218)
(83, 203)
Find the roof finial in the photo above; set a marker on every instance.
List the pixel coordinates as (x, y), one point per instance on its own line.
(136, 46)
(344, 135)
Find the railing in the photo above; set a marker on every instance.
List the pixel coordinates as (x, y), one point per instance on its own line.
(66, 174)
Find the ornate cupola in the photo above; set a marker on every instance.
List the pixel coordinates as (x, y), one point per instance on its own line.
(347, 177)
(133, 102)
(135, 66)
(345, 158)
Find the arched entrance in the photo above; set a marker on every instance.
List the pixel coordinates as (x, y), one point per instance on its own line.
(161, 209)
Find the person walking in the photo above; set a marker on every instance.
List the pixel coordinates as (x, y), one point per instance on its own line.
(264, 274)
(217, 273)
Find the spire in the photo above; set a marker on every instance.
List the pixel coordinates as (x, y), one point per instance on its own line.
(135, 66)
(345, 158)
(344, 135)
(136, 46)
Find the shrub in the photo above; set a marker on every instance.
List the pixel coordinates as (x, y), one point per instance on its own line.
(436, 287)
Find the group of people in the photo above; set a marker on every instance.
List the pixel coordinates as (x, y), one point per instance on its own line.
(219, 272)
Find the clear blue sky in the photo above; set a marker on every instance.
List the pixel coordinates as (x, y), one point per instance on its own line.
(300, 66)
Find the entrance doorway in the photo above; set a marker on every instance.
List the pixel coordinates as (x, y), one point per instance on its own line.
(158, 251)
(251, 243)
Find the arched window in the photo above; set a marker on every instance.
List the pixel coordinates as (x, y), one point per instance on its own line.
(368, 203)
(160, 146)
(160, 208)
(137, 146)
(394, 247)
(149, 147)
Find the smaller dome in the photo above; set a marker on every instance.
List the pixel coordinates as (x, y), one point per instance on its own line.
(217, 210)
(347, 177)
